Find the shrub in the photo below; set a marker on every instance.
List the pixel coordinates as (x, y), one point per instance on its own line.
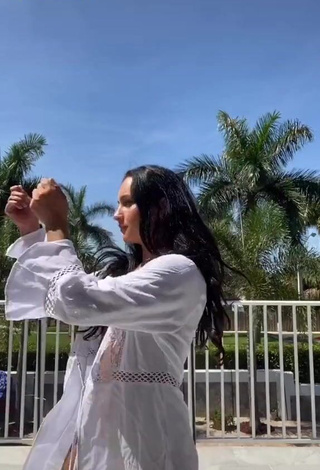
(216, 418)
(274, 359)
(31, 360)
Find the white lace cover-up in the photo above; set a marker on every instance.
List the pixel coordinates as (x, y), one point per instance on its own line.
(122, 407)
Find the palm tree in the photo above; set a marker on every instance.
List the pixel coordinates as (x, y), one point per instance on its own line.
(15, 168)
(87, 236)
(259, 245)
(251, 243)
(252, 168)
(17, 164)
(313, 215)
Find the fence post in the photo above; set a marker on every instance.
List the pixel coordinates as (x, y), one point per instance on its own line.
(191, 390)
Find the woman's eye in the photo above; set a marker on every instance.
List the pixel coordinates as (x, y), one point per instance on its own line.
(127, 203)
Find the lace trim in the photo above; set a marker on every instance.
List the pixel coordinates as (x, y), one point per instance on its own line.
(111, 357)
(142, 377)
(117, 339)
(88, 353)
(51, 297)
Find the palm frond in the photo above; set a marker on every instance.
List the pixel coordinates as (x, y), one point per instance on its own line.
(30, 183)
(100, 236)
(86, 236)
(262, 139)
(291, 137)
(312, 214)
(235, 132)
(307, 182)
(21, 157)
(199, 169)
(34, 143)
(81, 195)
(71, 193)
(99, 209)
(216, 196)
(266, 126)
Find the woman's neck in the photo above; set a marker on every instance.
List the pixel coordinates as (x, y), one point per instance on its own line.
(146, 255)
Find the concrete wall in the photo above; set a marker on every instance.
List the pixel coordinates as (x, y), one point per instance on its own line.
(244, 389)
(214, 394)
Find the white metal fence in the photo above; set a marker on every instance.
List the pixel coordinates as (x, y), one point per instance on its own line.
(268, 388)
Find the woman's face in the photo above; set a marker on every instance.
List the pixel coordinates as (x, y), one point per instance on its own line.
(127, 214)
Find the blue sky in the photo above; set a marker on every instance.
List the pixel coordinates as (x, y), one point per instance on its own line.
(115, 84)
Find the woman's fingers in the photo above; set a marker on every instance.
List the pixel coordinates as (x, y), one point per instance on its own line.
(36, 193)
(20, 198)
(17, 187)
(16, 205)
(49, 203)
(23, 195)
(12, 205)
(19, 191)
(18, 210)
(47, 184)
(16, 200)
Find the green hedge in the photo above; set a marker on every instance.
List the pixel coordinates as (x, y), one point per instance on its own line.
(31, 360)
(274, 359)
(31, 355)
(288, 357)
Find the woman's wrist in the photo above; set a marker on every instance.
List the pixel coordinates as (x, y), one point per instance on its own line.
(57, 235)
(57, 231)
(25, 230)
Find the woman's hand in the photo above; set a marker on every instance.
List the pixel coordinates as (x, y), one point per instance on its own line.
(50, 205)
(18, 210)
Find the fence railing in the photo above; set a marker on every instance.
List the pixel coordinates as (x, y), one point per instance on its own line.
(267, 389)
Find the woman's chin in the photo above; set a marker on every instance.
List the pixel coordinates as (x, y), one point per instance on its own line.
(126, 239)
(130, 240)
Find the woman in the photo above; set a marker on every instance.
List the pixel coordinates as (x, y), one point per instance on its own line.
(122, 408)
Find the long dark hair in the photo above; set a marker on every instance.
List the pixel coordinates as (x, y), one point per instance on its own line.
(171, 223)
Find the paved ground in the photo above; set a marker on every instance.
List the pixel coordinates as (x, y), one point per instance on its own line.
(216, 457)
(12, 457)
(219, 457)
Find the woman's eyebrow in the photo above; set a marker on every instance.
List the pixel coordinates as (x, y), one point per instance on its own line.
(124, 196)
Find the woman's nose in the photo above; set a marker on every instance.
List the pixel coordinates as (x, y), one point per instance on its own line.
(116, 215)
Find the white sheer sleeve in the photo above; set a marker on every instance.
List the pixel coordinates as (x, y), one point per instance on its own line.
(23, 243)
(48, 280)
